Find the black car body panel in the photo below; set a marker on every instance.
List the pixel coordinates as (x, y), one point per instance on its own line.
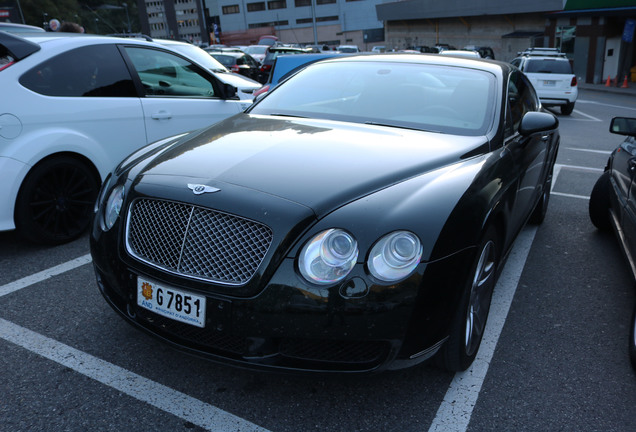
(300, 177)
(613, 203)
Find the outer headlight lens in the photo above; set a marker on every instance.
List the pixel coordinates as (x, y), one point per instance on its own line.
(395, 256)
(113, 207)
(328, 257)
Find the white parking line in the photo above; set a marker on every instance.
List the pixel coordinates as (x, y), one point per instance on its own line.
(171, 401)
(457, 407)
(143, 389)
(605, 152)
(43, 275)
(586, 115)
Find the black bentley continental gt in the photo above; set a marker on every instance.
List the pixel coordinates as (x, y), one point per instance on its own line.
(355, 219)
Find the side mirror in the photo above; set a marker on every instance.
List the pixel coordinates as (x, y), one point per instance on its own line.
(623, 126)
(229, 91)
(534, 122)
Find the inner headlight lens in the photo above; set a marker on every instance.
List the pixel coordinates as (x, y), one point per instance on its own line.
(113, 207)
(395, 256)
(328, 257)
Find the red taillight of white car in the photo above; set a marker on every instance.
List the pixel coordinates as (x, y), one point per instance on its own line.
(573, 82)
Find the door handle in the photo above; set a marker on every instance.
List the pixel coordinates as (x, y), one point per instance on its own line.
(161, 115)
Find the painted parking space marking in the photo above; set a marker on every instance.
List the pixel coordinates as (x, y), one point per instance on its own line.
(129, 383)
(604, 152)
(623, 107)
(457, 407)
(589, 117)
(43, 275)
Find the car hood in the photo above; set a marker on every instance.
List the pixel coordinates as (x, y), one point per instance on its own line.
(318, 164)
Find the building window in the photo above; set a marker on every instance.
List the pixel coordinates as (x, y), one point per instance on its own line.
(322, 2)
(276, 4)
(301, 3)
(269, 24)
(232, 9)
(318, 19)
(255, 7)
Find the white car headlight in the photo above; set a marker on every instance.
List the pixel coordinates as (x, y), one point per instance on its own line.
(395, 256)
(328, 257)
(113, 207)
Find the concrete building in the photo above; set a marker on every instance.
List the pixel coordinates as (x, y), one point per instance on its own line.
(324, 22)
(174, 19)
(589, 31)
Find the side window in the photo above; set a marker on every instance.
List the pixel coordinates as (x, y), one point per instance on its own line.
(97, 70)
(165, 74)
(521, 99)
(516, 62)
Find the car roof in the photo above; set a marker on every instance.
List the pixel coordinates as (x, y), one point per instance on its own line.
(494, 66)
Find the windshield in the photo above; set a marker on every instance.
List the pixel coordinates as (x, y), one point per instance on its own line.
(417, 96)
(548, 66)
(256, 49)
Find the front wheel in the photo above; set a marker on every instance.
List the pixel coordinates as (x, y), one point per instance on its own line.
(538, 214)
(55, 202)
(599, 205)
(469, 323)
(632, 340)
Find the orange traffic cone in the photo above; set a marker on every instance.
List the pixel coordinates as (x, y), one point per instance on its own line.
(608, 82)
(625, 83)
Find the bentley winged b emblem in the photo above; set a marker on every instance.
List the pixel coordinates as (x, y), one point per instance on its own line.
(198, 189)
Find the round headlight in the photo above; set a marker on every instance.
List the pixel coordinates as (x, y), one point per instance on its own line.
(113, 207)
(328, 257)
(395, 256)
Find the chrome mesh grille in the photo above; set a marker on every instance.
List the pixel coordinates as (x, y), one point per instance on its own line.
(195, 241)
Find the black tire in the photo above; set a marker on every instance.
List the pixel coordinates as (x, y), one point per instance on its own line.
(632, 340)
(567, 108)
(469, 322)
(599, 205)
(538, 214)
(55, 201)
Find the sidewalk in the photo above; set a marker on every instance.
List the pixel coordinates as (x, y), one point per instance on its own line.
(631, 90)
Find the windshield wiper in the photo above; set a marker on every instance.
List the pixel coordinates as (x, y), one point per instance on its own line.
(400, 126)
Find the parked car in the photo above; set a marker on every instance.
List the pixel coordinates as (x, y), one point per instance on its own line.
(19, 28)
(257, 52)
(461, 53)
(244, 85)
(270, 58)
(551, 74)
(355, 219)
(349, 49)
(73, 105)
(239, 63)
(287, 65)
(612, 204)
(484, 51)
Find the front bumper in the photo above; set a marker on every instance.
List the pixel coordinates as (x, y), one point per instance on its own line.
(355, 327)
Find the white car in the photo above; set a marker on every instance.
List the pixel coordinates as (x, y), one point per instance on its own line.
(461, 53)
(551, 75)
(258, 52)
(245, 86)
(73, 106)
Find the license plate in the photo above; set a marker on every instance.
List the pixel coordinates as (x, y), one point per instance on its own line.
(172, 303)
(549, 83)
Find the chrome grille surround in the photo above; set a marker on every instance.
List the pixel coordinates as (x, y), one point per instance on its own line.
(196, 242)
